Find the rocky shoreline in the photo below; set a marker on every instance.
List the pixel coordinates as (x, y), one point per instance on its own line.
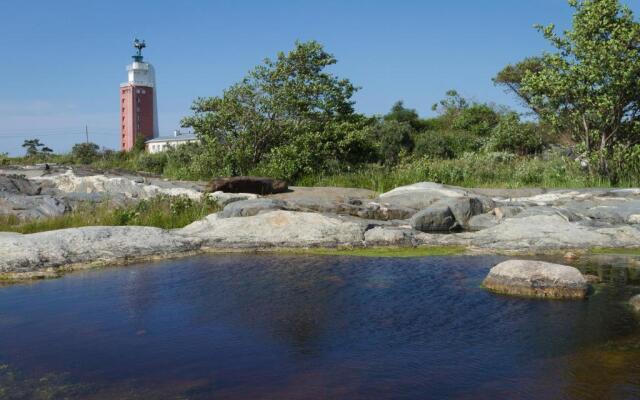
(421, 215)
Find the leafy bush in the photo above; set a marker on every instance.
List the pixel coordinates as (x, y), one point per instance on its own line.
(392, 138)
(478, 119)
(84, 153)
(153, 163)
(446, 144)
(513, 136)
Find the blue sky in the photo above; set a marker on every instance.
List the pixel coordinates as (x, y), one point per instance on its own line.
(63, 61)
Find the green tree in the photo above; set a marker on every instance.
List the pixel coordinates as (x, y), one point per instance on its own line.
(34, 147)
(591, 83)
(458, 113)
(400, 113)
(84, 153)
(274, 105)
(478, 119)
(512, 75)
(393, 139)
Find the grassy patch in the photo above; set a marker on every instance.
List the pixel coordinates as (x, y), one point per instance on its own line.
(162, 212)
(395, 252)
(472, 171)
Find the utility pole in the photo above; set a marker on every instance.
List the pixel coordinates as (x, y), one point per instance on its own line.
(86, 132)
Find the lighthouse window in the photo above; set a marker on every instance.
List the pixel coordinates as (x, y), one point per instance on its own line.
(144, 91)
(138, 91)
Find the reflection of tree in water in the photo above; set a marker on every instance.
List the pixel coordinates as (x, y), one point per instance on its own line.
(614, 269)
(290, 297)
(141, 294)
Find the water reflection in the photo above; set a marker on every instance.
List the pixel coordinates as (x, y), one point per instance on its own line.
(308, 327)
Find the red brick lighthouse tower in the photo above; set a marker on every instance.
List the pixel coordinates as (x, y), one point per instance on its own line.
(138, 107)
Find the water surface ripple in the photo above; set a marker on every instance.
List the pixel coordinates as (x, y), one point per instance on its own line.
(311, 327)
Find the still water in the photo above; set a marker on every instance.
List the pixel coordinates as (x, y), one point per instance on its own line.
(312, 327)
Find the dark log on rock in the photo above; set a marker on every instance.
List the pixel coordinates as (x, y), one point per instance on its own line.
(248, 184)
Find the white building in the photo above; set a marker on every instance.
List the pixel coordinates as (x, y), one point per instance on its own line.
(159, 144)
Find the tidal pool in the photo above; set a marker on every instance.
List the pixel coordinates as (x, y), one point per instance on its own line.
(312, 327)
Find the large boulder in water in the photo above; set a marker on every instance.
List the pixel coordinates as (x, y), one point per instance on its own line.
(247, 208)
(248, 184)
(536, 279)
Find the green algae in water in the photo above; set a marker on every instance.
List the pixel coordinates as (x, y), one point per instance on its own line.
(395, 252)
(620, 251)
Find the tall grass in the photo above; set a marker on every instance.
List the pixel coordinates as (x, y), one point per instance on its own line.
(470, 171)
(162, 212)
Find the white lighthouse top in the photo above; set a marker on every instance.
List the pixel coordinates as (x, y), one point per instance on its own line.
(140, 73)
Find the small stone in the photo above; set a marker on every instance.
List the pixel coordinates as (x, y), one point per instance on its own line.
(592, 279)
(570, 256)
(635, 303)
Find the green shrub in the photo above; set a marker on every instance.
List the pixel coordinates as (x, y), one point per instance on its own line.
(84, 153)
(446, 144)
(513, 136)
(479, 119)
(153, 163)
(392, 138)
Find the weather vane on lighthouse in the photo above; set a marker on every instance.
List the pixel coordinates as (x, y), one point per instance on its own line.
(139, 45)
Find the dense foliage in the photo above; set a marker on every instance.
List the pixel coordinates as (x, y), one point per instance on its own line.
(590, 86)
(292, 118)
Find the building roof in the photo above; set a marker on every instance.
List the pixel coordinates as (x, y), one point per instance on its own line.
(180, 138)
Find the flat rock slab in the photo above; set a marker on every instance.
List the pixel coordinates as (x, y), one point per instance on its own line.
(223, 199)
(536, 279)
(32, 207)
(132, 187)
(15, 184)
(248, 208)
(323, 199)
(421, 195)
(545, 232)
(276, 229)
(43, 253)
